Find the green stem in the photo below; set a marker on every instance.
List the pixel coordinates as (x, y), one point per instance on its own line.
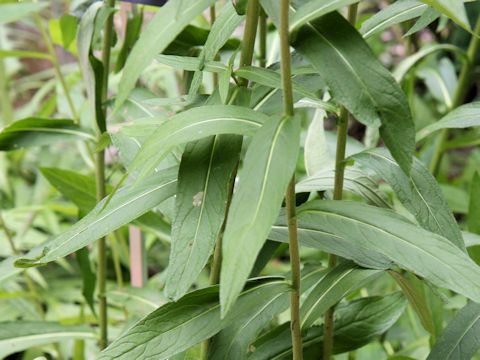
(250, 33)
(262, 53)
(342, 132)
(464, 80)
(290, 194)
(5, 104)
(56, 65)
(100, 180)
(213, 17)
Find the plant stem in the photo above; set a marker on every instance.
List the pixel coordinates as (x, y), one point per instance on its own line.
(342, 132)
(250, 33)
(7, 110)
(464, 81)
(290, 194)
(56, 65)
(262, 53)
(100, 179)
(213, 17)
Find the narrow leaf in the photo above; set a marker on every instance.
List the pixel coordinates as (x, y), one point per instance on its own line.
(37, 132)
(454, 9)
(267, 168)
(167, 23)
(10, 12)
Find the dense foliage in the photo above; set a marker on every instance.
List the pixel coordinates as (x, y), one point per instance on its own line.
(246, 179)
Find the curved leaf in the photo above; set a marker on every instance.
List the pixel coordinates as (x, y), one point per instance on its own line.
(195, 124)
(177, 326)
(10, 12)
(125, 206)
(37, 132)
(358, 81)
(373, 229)
(454, 9)
(267, 168)
(167, 23)
(338, 283)
(419, 193)
(465, 116)
(17, 336)
(428, 16)
(460, 339)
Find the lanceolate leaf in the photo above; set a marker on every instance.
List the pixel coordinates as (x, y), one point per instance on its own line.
(195, 124)
(358, 81)
(467, 115)
(419, 193)
(232, 343)
(399, 11)
(428, 16)
(355, 181)
(356, 324)
(168, 22)
(203, 182)
(454, 9)
(338, 283)
(125, 206)
(37, 132)
(313, 9)
(17, 336)
(460, 339)
(268, 166)
(426, 254)
(179, 325)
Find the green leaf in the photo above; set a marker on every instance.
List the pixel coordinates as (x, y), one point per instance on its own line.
(125, 206)
(454, 9)
(167, 23)
(316, 153)
(428, 16)
(473, 217)
(195, 124)
(358, 81)
(378, 230)
(232, 343)
(203, 183)
(355, 181)
(10, 12)
(190, 63)
(177, 326)
(398, 12)
(132, 33)
(24, 54)
(419, 193)
(313, 9)
(356, 324)
(460, 339)
(88, 277)
(408, 63)
(440, 86)
(465, 116)
(339, 282)
(267, 168)
(17, 336)
(38, 132)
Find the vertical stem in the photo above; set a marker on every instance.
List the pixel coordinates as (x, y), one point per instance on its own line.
(464, 80)
(248, 46)
(262, 53)
(342, 131)
(213, 17)
(56, 65)
(6, 106)
(100, 179)
(290, 194)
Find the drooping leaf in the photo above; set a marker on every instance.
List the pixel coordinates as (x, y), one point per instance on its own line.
(465, 116)
(338, 283)
(179, 325)
(167, 23)
(419, 193)
(408, 63)
(313, 9)
(267, 168)
(454, 9)
(440, 86)
(356, 324)
(359, 82)
(195, 124)
(37, 132)
(17, 336)
(14, 11)
(125, 206)
(398, 12)
(355, 181)
(203, 182)
(378, 230)
(460, 339)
